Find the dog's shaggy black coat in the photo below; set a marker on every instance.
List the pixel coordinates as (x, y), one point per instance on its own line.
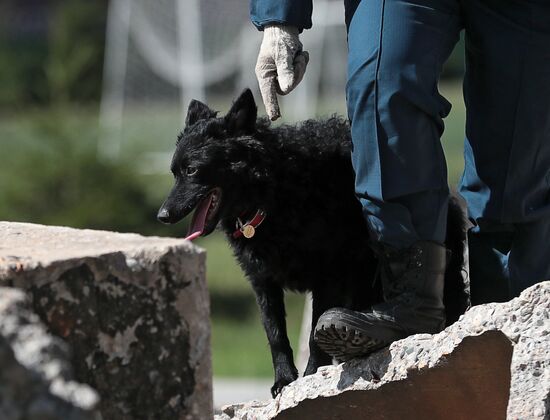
(314, 237)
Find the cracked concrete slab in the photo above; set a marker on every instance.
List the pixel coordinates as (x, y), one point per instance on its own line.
(493, 363)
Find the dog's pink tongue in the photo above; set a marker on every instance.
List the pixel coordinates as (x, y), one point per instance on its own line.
(199, 219)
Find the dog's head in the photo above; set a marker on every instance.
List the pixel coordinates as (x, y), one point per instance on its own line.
(217, 166)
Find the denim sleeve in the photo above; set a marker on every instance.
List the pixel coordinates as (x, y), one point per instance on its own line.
(288, 12)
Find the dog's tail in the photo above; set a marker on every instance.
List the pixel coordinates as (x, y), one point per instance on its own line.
(457, 282)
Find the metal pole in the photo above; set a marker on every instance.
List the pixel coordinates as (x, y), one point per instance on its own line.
(305, 330)
(114, 77)
(192, 83)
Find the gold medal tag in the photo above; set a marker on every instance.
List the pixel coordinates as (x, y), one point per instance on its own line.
(248, 231)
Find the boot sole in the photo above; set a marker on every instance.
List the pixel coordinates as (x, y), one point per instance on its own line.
(345, 343)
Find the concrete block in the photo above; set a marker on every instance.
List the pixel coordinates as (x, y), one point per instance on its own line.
(134, 310)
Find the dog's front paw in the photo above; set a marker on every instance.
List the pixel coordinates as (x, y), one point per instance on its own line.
(282, 380)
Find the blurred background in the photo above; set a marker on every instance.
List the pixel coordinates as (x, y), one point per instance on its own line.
(92, 97)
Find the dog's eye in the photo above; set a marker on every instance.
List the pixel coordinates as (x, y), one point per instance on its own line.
(190, 170)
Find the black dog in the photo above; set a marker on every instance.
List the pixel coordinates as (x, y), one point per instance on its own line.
(285, 199)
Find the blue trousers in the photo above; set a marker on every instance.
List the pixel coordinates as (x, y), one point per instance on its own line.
(396, 52)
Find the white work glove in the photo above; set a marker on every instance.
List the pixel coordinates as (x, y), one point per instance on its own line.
(281, 65)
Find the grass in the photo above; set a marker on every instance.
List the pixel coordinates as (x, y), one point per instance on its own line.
(453, 136)
(239, 346)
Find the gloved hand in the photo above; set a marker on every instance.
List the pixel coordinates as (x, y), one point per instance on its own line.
(281, 65)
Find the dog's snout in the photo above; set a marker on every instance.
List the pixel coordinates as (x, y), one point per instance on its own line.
(163, 215)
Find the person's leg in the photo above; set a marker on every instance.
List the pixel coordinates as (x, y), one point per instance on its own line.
(396, 52)
(489, 246)
(529, 259)
(505, 259)
(506, 180)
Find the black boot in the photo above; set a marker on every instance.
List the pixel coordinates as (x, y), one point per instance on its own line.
(412, 282)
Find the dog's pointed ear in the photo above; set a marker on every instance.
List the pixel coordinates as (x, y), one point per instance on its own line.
(241, 118)
(198, 111)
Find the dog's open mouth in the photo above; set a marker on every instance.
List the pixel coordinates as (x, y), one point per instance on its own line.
(204, 218)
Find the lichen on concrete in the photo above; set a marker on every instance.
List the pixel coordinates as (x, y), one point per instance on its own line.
(135, 311)
(36, 378)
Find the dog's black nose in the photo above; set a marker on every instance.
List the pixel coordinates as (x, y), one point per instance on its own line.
(163, 215)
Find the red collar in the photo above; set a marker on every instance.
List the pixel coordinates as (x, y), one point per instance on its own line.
(248, 229)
